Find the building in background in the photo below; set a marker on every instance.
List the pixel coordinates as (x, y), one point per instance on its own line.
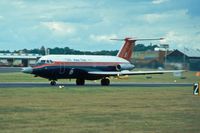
(188, 59)
(18, 60)
(150, 59)
(184, 59)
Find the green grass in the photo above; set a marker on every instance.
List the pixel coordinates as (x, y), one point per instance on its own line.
(100, 109)
(168, 77)
(19, 77)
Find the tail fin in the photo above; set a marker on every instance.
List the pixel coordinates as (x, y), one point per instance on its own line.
(127, 49)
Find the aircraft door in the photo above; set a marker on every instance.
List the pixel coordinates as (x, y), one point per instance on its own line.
(62, 68)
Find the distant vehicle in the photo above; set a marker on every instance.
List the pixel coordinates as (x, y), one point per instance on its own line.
(89, 67)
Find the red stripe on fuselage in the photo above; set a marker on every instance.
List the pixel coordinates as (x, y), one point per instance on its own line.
(81, 64)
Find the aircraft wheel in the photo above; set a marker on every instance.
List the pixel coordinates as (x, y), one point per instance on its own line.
(53, 83)
(105, 82)
(80, 82)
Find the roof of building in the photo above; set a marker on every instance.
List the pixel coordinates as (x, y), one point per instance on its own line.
(190, 52)
(19, 56)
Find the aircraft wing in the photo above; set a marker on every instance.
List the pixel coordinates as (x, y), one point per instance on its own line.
(121, 73)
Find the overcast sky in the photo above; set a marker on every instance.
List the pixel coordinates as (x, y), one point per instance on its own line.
(89, 24)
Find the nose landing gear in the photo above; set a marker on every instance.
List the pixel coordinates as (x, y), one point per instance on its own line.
(53, 83)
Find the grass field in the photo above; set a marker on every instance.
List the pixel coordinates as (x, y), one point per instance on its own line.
(99, 109)
(93, 110)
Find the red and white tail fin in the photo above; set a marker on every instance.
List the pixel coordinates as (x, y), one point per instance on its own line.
(127, 49)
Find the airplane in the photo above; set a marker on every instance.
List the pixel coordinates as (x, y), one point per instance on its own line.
(90, 67)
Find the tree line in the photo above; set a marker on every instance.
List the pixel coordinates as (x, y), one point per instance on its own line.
(67, 50)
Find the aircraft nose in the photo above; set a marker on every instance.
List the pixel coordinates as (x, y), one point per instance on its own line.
(27, 70)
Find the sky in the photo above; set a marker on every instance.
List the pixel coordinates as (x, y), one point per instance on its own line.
(90, 24)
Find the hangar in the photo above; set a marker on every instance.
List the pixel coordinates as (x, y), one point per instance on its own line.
(184, 59)
(18, 60)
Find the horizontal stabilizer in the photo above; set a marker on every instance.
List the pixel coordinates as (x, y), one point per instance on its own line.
(140, 39)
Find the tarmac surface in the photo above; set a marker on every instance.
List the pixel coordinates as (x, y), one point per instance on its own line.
(127, 84)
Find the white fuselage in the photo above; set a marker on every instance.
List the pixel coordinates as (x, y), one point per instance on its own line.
(83, 58)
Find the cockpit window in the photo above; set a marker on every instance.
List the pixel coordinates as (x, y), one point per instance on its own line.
(40, 62)
(49, 61)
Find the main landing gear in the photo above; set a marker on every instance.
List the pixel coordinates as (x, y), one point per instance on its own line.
(105, 82)
(53, 83)
(80, 82)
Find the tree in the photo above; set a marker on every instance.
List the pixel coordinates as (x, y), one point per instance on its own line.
(67, 50)
(42, 50)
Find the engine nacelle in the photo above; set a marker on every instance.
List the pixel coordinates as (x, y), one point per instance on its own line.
(121, 67)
